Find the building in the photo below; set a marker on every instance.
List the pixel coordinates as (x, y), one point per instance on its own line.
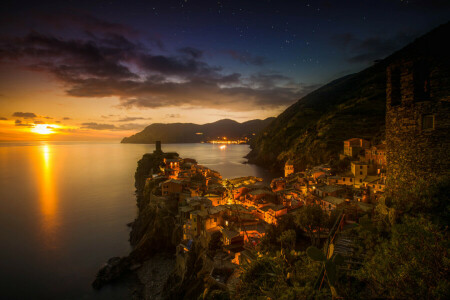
(330, 203)
(172, 167)
(360, 170)
(376, 156)
(418, 118)
(288, 168)
(353, 147)
(172, 186)
(328, 190)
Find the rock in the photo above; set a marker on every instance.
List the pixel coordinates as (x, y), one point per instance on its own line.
(112, 270)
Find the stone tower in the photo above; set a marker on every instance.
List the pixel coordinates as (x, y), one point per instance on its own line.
(158, 147)
(417, 120)
(288, 168)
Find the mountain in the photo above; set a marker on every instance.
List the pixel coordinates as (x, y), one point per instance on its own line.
(194, 133)
(312, 130)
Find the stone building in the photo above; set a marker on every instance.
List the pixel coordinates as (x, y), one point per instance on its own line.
(352, 147)
(418, 117)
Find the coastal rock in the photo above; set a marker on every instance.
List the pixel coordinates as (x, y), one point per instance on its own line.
(112, 270)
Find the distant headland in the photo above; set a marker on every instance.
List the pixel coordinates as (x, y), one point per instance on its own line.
(221, 131)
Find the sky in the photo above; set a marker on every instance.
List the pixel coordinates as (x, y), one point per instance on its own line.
(99, 70)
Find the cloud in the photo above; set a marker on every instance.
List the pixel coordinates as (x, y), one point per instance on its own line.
(97, 126)
(247, 58)
(173, 116)
(371, 48)
(85, 22)
(25, 115)
(112, 65)
(67, 118)
(19, 123)
(3, 119)
(192, 52)
(130, 119)
(100, 126)
(38, 122)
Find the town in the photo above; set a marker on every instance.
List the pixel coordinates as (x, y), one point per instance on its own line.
(234, 214)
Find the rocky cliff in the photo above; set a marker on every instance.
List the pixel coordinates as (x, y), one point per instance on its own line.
(153, 231)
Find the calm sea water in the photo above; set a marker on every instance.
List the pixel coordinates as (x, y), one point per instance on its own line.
(64, 209)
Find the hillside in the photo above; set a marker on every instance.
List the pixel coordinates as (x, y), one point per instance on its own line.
(190, 133)
(312, 130)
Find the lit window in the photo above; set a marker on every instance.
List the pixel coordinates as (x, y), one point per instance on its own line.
(427, 122)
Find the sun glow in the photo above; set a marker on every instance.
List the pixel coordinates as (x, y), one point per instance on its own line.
(44, 128)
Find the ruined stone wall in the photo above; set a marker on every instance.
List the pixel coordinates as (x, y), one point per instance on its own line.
(414, 152)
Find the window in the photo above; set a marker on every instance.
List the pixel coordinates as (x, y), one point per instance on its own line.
(351, 179)
(215, 219)
(360, 180)
(360, 173)
(360, 167)
(343, 179)
(421, 82)
(427, 122)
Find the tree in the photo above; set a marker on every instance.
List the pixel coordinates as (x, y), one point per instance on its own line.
(312, 220)
(287, 239)
(428, 198)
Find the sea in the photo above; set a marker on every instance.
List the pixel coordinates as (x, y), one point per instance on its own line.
(64, 209)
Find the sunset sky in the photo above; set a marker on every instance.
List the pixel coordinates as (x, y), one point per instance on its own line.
(83, 70)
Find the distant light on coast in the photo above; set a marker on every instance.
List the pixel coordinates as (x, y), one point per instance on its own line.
(223, 147)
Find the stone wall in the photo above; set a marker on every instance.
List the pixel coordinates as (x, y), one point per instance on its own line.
(415, 90)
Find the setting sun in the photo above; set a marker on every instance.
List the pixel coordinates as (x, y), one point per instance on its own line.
(43, 129)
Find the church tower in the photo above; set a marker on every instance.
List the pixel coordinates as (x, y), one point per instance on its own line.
(288, 168)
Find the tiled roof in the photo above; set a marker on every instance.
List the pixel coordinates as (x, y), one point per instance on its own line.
(333, 200)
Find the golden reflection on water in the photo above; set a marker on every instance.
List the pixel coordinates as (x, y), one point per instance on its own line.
(48, 200)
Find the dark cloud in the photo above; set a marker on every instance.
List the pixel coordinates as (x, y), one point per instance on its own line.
(85, 22)
(67, 118)
(38, 122)
(25, 115)
(192, 52)
(97, 126)
(372, 48)
(20, 123)
(100, 126)
(247, 58)
(3, 118)
(130, 119)
(173, 116)
(48, 118)
(113, 65)
(267, 80)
